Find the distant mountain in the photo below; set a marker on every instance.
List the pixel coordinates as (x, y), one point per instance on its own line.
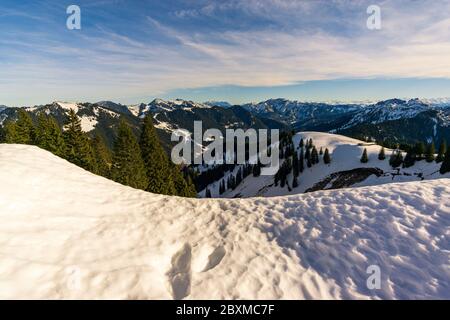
(304, 115)
(404, 121)
(395, 120)
(103, 117)
(116, 107)
(95, 118)
(222, 104)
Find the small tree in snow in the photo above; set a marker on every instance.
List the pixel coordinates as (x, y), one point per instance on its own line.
(364, 157)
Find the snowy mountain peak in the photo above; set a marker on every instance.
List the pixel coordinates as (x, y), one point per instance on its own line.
(160, 105)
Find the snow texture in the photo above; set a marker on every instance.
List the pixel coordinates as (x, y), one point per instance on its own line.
(66, 233)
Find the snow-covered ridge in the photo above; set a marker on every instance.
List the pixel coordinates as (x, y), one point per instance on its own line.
(160, 105)
(66, 233)
(345, 155)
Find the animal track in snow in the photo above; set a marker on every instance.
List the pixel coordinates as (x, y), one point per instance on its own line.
(207, 257)
(179, 275)
(215, 258)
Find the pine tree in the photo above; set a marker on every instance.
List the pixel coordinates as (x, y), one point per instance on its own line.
(128, 167)
(10, 132)
(21, 131)
(326, 157)
(277, 178)
(308, 162)
(207, 193)
(49, 135)
(25, 128)
(409, 160)
(419, 150)
(364, 157)
(429, 155)
(159, 174)
(295, 169)
(445, 167)
(442, 151)
(257, 169)
(182, 183)
(314, 156)
(321, 151)
(302, 143)
(301, 161)
(2, 135)
(78, 148)
(308, 154)
(382, 154)
(221, 187)
(103, 157)
(396, 159)
(294, 182)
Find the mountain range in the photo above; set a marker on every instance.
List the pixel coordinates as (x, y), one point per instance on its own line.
(394, 120)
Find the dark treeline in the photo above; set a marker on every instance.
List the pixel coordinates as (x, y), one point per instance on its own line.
(296, 159)
(416, 152)
(138, 163)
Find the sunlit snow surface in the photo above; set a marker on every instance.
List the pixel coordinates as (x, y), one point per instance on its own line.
(66, 233)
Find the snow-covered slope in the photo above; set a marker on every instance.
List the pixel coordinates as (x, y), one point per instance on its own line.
(345, 155)
(66, 233)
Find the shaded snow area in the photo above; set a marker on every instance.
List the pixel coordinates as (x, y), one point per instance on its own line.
(66, 233)
(345, 155)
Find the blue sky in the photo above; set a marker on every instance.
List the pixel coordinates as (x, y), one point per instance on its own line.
(236, 50)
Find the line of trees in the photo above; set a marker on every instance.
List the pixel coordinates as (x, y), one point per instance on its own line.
(417, 152)
(140, 164)
(295, 159)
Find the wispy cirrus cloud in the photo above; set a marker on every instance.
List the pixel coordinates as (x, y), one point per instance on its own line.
(150, 51)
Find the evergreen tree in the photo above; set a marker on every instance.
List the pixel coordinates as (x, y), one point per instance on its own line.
(409, 160)
(103, 157)
(445, 167)
(294, 182)
(207, 193)
(321, 151)
(419, 150)
(364, 157)
(24, 127)
(429, 155)
(442, 151)
(257, 169)
(49, 135)
(295, 169)
(396, 159)
(182, 183)
(301, 161)
(128, 167)
(326, 157)
(314, 156)
(308, 154)
(382, 154)
(21, 131)
(78, 148)
(302, 143)
(221, 187)
(308, 162)
(10, 132)
(2, 135)
(160, 176)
